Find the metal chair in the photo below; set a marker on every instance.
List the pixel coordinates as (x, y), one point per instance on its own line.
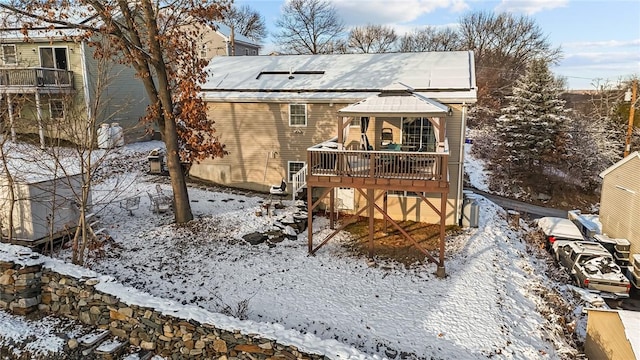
(278, 189)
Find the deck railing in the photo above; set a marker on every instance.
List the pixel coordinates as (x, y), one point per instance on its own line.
(378, 164)
(299, 181)
(35, 77)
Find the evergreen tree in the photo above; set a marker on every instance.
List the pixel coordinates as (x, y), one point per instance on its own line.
(532, 126)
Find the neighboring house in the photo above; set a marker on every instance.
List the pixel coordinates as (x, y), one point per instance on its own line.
(218, 43)
(612, 335)
(620, 201)
(48, 86)
(620, 206)
(396, 122)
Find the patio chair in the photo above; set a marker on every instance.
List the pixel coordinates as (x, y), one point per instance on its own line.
(159, 203)
(130, 204)
(278, 190)
(386, 136)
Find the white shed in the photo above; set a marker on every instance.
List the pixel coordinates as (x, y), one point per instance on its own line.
(42, 205)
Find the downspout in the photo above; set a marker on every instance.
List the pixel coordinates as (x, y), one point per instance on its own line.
(461, 160)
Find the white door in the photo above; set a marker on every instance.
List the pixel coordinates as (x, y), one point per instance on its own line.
(345, 199)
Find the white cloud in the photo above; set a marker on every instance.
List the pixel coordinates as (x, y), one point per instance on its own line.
(529, 7)
(602, 44)
(392, 11)
(582, 67)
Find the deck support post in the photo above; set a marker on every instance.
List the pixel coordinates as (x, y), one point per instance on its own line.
(384, 207)
(441, 273)
(310, 217)
(332, 203)
(370, 204)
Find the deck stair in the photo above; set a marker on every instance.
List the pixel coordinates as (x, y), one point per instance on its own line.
(299, 182)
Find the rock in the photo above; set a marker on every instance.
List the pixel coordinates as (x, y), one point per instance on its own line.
(252, 349)
(189, 344)
(92, 282)
(543, 197)
(134, 341)
(115, 315)
(85, 317)
(147, 345)
(6, 279)
(127, 311)
(118, 332)
(110, 300)
(255, 238)
(266, 346)
(28, 302)
(220, 346)
(72, 343)
(199, 344)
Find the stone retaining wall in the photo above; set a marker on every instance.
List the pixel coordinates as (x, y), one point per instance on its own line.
(26, 288)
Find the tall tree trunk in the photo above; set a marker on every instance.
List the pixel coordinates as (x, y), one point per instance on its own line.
(181, 205)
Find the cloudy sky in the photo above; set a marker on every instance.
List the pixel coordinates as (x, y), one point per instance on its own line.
(600, 39)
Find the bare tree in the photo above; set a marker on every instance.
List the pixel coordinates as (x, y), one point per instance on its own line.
(430, 39)
(160, 45)
(308, 27)
(246, 22)
(372, 39)
(503, 46)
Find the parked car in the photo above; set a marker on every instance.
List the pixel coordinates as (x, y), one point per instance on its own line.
(555, 228)
(593, 268)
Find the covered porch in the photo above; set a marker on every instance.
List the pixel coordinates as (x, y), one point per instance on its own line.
(411, 156)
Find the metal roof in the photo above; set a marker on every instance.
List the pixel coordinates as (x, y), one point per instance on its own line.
(450, 72)
(395, 103)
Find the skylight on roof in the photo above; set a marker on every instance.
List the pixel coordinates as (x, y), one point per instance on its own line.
(291, 74)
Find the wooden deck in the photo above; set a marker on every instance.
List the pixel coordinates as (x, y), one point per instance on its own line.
(384, 170)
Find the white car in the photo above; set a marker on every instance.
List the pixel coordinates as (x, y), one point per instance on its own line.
(555, 228)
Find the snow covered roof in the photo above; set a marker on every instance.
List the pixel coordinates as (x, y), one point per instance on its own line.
(404, 103)
(11, 24)
(448, 73)
(631, 323)
(633, 155)
(225, 31)
(559, 227)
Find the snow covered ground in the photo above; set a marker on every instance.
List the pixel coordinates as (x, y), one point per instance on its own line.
(489, 305)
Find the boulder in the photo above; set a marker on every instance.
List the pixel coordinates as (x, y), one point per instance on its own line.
(255, 238)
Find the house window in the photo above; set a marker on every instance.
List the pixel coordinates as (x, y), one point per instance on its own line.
(56, 109)
(54, 58)
(255, 52)
(293, 168)
(246, 51)
(297, 114)
(9, 55)
(417, 133)
(357, 121)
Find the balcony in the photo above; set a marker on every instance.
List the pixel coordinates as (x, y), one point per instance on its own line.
(389, 170)
(31, 80)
